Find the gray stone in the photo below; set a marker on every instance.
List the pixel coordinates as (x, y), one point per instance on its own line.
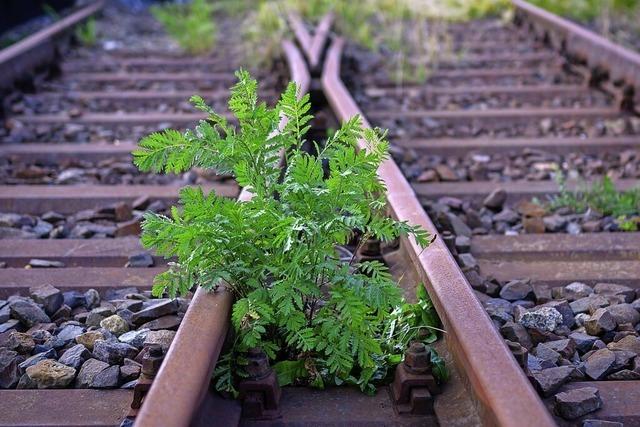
(517, 333)
(73, 299)
(26, 383)
(163, 338)
(49, 354)
(623, 359)
(49, 297)
(507, 215)
(115, 324)
(575, 403)
(92, 298)
(113, 353)
(28, 313)
(517, 290)
(544, 319)
(134, 338)
(565, 347)
(120, 293)
(140, 260)
(495, 200)
(129, 372)
(588, 304)
(599, 364)
(600, 322)
(548, 381)
(601, 423)
(628, 343)
(568, 319)
(459, 227)
(5, 313)
(467, 261)
(171, 322)
(69, 333)
(624, 313)
(75, 356)
(130, 304)
(20, 342)
(584, 342)
(154, 311)
(534, 363)
(624, 375)
(89, 338)
(88, 372)
(626, 293)
(51, 374)
(107, 378)
(43, 263)
(9, 371)
(577, 290)
(580, 319)
(546, 353)
(97, 315)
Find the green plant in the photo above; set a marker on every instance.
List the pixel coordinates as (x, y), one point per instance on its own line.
(277, 252)
(603, 197)
(263, 31)
(191, 25)
(87, 33)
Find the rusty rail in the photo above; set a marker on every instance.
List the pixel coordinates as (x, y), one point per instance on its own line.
(312, 46)
(621, 63)
(39, 47)
(503, 393)
(177, 392)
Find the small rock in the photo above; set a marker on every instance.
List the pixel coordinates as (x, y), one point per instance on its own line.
(107, 378)
(624, 292)
(9, 371)
(163, 338)
(49, 297)
(20, 342)
(159, 309)
(92, 298)
(565, 347)
(75, 356)
(588, 304)
(535, 363)
(88, 372)
(599, 364)
(496, 199)
(548, 381)
(115, 324)
(73, 299)
(69, 333)
(563, 307)
(171, 322)
(600, 322)
(26, 383)
(43, 263)
(583, 342)
(601, 423)
(628, 343)
(49, 354)
(51, 374)
(89, 338)
(577, 290)
(517, 290)
(517, 333)
(577, 402)
(28, 313)
(113, 352)
(545, 319)
(624, 313)
(140, 261)
(446, 173)
(129, 372)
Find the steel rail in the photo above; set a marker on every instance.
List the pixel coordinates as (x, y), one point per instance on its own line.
(312, 46)
(39, 48)
(621, 63)
(503, 393)
(176, 393)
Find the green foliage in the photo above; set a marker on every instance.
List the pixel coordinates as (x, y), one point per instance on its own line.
(191, 25)
(87, 33)
(277, 252)
(263, 31)
(587, 10)
(603, 197)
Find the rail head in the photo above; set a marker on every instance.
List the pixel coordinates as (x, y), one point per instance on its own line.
(15, 58)
(504, 395)
(312, 46)
(183, 379)
(621, 63)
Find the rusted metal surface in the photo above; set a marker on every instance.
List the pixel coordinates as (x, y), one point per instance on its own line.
(503, 393)
(139, 95)
(498, 115)
(516, 190)
(542, 247)
(413, 386)
(225, 78)
(116, 119)
(72, 252)
(177, 394)
(621, 63)
(311, 45)
(61, 407)
(462, 146)
(67, 199)
(40, 47)
(19, 280)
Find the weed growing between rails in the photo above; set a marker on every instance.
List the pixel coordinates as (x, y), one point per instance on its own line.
(87, 33)
(604, 198)
(191, 25)
(323, 320)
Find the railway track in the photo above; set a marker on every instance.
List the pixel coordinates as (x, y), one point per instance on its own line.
(533, 101)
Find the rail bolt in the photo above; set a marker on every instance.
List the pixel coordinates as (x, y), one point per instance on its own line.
(151, 361)
(258, 364)
(416, 359)
(260, 392)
